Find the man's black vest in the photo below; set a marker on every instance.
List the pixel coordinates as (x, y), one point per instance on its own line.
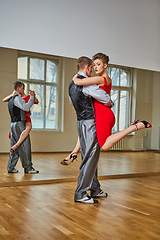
(14, 111)
(82, 104)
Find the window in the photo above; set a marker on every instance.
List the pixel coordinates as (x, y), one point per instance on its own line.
(121, 96)
(42, 76)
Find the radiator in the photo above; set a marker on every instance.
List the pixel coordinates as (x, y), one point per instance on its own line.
(118, 146)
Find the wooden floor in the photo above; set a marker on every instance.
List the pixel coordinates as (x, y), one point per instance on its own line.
(111, 165)
(41, 207)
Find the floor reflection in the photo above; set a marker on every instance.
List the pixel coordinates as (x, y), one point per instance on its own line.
(111, 163)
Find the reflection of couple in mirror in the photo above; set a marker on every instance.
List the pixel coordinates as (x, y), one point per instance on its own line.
(19, 105)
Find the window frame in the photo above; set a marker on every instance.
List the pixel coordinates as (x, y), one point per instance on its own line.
(122, 88)
(58, 85)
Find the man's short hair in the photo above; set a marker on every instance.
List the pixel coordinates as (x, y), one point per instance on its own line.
(18, 84)
(82, 62)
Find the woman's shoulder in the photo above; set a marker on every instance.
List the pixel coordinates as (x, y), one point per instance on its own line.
(107, 80)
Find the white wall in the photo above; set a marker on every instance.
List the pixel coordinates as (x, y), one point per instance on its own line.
(126, 30)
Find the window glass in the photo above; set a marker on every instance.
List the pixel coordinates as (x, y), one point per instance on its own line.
(121, 95)
(37, 110)
(124, 107)
(36, 69)
(115, 76)
(51, 107)
(25, 89)
(108, 71)
(51, 71)
(22, 67)
(125, 78)
(114, 97)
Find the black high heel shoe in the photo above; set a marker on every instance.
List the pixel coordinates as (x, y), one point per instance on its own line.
(12, 150)
(67, 162)
(144, 122)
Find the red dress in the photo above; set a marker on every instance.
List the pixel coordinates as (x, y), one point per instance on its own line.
(26, 99)
(28, 119)
(104, 117)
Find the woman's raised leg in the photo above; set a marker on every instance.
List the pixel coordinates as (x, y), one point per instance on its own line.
(23, 136)
(116, 137)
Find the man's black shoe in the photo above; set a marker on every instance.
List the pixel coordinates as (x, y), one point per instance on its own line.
(32, 171)
(13, 171)
(86, 200)
(101, 194)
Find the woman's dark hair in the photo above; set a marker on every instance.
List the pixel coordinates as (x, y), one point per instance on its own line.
(102, 56)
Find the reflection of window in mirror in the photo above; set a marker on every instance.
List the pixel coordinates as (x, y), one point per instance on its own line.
(121, 96)
(41, 74)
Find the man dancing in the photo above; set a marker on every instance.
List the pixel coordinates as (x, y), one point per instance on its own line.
(82, 102)
(17, 107)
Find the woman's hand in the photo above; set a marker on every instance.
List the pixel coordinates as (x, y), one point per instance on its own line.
(14, 93)
(32, 93)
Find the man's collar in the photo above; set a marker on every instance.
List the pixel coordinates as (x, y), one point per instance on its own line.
(83, 74)
(17, 92)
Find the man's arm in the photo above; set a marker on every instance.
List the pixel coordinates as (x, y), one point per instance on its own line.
(99, 94)
(20, 103)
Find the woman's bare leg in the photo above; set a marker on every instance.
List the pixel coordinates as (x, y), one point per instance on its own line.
(116, 137)
(68, 160)
(23, 135)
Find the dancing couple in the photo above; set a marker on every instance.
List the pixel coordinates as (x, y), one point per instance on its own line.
(94, 125)
(19, 106)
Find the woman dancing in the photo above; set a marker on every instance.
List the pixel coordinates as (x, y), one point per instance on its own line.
(104, 117)
(28, 124)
